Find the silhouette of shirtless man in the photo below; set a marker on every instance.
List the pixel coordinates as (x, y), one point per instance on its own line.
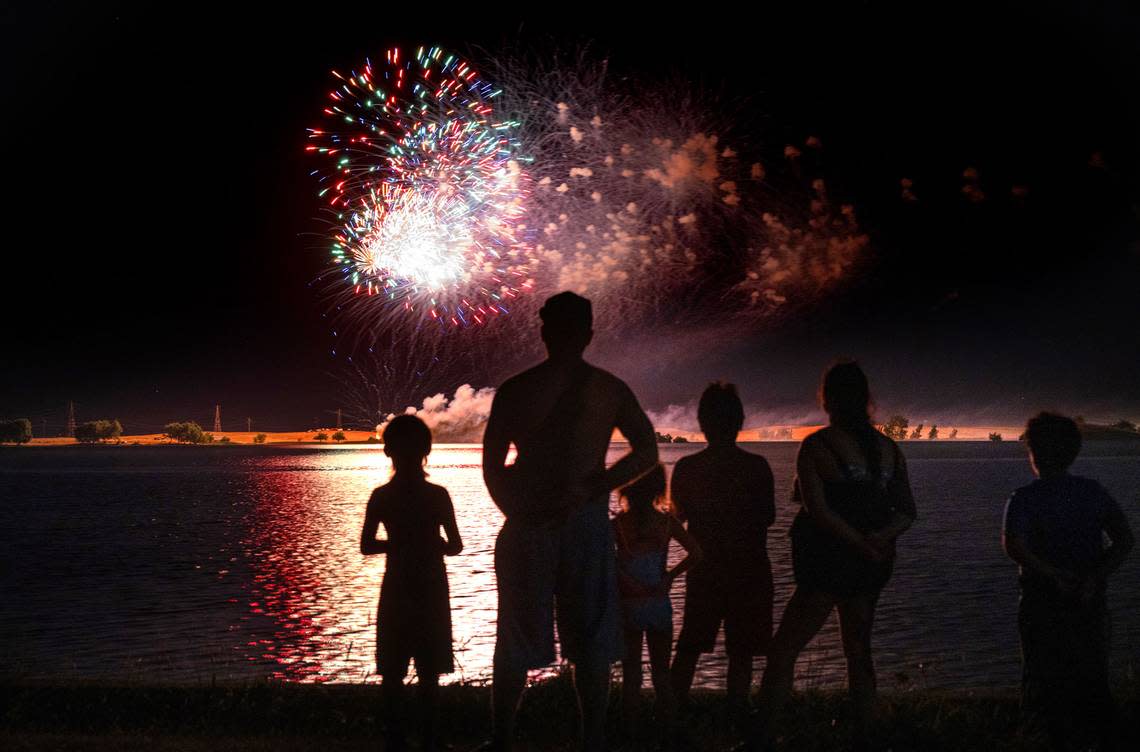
(557, 542)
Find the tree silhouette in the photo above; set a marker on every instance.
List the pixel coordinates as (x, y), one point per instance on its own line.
(17, 431)
(895, 427)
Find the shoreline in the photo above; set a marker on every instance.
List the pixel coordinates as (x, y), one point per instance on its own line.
(280, 715)
(357, 438)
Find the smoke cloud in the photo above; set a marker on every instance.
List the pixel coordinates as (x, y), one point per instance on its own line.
(457, 420)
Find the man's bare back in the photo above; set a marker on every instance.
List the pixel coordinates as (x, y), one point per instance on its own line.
(561, 416)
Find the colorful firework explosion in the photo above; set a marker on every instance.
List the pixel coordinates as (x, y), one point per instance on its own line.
(426, 187)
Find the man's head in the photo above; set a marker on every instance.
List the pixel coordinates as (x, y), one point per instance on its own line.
(720, 413)
(1054, 442)
(567, 324)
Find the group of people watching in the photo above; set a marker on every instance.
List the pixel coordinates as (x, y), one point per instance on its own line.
(608, 580)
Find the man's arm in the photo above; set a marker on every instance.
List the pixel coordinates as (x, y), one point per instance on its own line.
(642, 455)
(496, 444)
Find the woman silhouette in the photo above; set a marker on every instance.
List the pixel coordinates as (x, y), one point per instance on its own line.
(852, 483)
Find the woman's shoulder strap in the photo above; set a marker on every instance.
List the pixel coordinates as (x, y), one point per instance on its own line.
(822, 438)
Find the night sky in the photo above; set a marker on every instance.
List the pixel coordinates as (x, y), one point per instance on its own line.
(160, 226)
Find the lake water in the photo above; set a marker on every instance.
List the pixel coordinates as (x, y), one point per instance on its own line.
(184, 564)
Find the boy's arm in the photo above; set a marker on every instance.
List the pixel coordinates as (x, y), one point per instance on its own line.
(452, 544)
(767, 495)
(1017, 550)
(679, 490)
(1014, 540)
(1120, 538)
(368, 543)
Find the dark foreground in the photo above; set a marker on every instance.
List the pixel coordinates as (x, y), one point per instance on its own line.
(277, 716)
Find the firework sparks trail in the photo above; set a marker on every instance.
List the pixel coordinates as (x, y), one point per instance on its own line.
(456, 202)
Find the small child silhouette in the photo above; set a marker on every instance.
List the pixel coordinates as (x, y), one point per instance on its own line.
(642, 533)
(414, 617)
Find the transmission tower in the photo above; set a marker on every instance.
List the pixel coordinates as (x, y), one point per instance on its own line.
(217, 418)
(70, 433)
(338, 425)
(248, 425)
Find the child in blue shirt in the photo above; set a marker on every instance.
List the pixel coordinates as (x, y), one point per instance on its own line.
(1054, 529)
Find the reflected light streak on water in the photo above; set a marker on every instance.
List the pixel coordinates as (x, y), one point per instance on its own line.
(180, 564)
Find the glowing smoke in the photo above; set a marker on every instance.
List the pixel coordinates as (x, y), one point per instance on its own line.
(460, 419)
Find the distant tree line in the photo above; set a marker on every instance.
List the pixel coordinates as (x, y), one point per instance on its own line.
(897, 427)
(98, 430)
(187, 433)
(323, 436)
(665, 438)
(18, 431)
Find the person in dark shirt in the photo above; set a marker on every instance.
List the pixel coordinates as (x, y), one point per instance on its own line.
(727, 497)
(414, 617)
(1054, 529)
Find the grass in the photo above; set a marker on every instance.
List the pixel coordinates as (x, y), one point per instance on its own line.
(282, 716)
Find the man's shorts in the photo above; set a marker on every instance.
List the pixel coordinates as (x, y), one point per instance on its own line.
(566, 565)
(744, 604)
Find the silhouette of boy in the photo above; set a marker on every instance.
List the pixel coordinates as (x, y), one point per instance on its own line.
(727, 497)
(557, 543)
(1054, 529)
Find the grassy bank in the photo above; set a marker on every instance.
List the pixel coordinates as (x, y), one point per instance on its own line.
(275, 716)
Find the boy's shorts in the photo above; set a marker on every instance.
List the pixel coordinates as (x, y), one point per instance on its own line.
(1064, 653)
(744, 604)
(566, 565)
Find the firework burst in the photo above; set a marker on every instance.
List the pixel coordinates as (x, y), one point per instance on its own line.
(455, 202)
(426, 188)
